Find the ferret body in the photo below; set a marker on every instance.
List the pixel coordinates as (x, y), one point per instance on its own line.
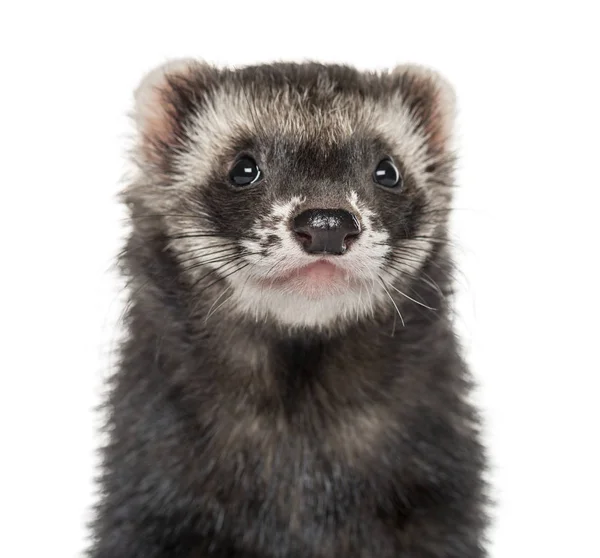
(290, 384)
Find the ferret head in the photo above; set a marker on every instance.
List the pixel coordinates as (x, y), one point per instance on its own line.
(306, 194)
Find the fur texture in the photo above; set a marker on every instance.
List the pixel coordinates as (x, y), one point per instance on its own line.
(257, 414)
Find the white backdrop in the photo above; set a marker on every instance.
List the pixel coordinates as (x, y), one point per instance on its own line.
(526, 230)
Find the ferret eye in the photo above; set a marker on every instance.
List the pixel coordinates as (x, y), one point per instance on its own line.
(244, 172)
(387, 174)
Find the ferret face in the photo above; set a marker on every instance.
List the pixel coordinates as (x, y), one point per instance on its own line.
(306, 194)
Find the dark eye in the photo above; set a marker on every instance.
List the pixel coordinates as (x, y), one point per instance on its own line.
(244, 172)
(386, 174)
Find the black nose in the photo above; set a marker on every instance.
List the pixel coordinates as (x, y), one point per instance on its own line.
(326, 231)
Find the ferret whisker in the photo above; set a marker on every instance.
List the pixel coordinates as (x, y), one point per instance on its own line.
(238, 266)
(416, 273)
(204, 258)
(202, 263)
(372, 297)
(200, 235)
(208, 314)
(393, 301)
(410, 298)
(237, 270)
(132, 249)
(399, 258)
(201, 249)
(435, 240)
(160, 215)
(216, 270)
(221, 305)
(278, 261)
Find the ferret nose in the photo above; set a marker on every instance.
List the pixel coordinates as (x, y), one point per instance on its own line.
(326, 231)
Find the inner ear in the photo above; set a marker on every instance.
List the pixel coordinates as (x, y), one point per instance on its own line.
(430, 98)
(167, 98)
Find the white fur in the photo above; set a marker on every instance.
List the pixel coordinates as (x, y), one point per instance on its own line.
(291, 308)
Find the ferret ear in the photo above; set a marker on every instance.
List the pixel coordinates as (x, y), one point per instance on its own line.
(165, 101)
(431, 99)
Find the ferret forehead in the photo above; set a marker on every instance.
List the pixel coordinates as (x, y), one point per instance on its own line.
(322, 102)
(324, 106)
(289, 113)
(310, 82)
(235, 117)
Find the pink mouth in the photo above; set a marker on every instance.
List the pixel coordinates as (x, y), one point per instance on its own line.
(317, 278)
(321, 270)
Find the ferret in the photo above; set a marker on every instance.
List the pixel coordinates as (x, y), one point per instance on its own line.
(290, 384)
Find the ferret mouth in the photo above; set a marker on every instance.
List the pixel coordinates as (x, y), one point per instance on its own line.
(319, 278)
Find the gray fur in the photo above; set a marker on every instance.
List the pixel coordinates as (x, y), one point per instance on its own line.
(250, 419)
